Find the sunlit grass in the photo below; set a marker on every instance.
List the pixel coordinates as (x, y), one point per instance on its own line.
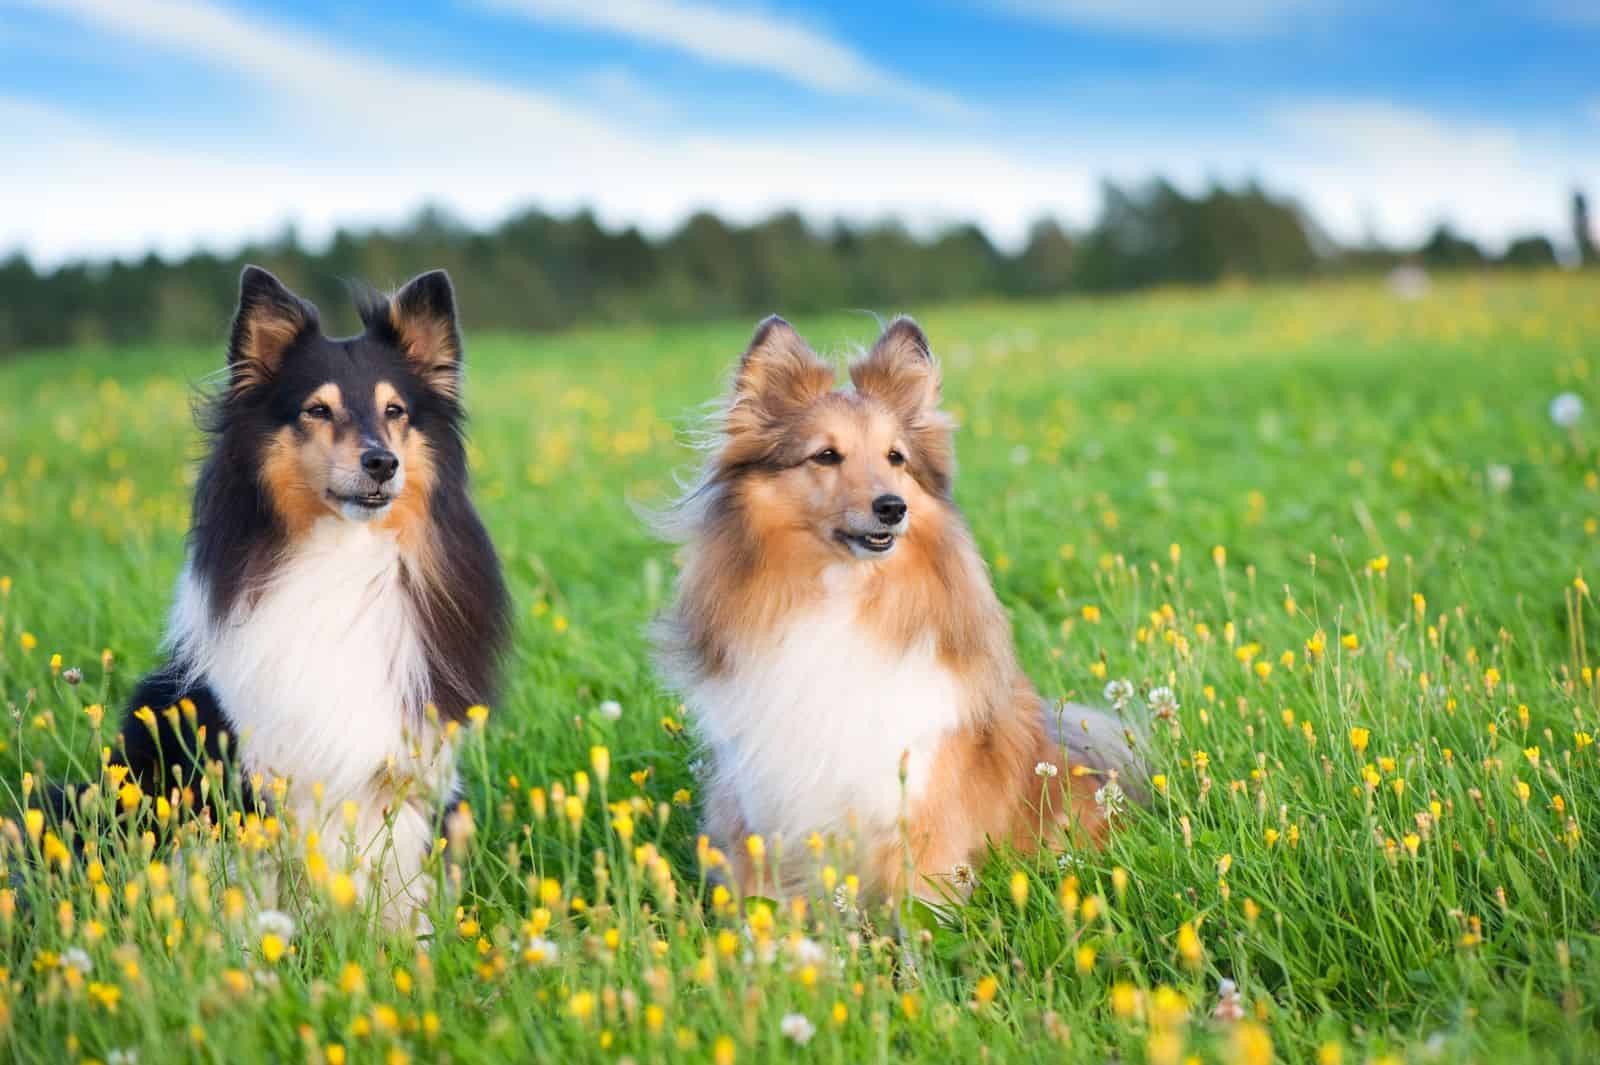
(1341, 529)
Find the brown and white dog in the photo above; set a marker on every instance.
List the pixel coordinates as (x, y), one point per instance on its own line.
(835, 628)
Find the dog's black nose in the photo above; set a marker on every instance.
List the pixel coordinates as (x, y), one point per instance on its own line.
(889, 509)
(379, 463)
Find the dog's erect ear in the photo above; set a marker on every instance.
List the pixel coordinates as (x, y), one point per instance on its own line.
(778, 375)
(423, 317)
(269, 320)
(899, 371)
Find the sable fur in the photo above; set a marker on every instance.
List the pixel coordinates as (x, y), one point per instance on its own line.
(774, 572)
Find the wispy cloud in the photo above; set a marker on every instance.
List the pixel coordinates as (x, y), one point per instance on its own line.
(330, 135)
(743, 38)
(382, 139)
(1210, 18)
(1400, 169)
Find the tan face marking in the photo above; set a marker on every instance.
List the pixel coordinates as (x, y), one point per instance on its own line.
(393, 417)
(856, 455)
(314, 466)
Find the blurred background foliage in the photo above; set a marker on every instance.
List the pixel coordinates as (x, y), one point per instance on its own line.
(540, 272)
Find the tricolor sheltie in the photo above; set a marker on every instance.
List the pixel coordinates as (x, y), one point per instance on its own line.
(341, 601)
(835, 630)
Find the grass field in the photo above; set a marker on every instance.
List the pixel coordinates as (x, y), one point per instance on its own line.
(1343, 528)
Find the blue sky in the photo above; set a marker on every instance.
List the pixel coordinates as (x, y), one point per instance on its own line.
(135, 124)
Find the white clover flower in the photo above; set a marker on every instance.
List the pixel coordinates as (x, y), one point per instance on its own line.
(1408, 282)
(963, 876)
(1109, 798)
(808, 951)
(1045, 769)
(1499, 475)
(611, 710)
(76, 958)
(1118, 692)
(540, 951)
(1163, 702)
(841, 900)
(797, 1028)
(275, 922)
(1229, 1007)
(122, 1057)
(1566, 409)
(1065, 861)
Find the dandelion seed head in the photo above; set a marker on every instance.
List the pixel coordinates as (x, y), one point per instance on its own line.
(797, 1028)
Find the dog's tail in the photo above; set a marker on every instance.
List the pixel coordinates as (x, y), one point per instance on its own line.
(1103, 743)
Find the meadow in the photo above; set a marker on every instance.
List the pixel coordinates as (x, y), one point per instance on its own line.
(1342, 528)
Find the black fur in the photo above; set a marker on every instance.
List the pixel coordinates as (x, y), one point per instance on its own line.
(236, 537)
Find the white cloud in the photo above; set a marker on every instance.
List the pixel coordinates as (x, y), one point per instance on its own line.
(371, 141)
(1210, 18)
(357, 140)
(744, 38)
(1400, 170)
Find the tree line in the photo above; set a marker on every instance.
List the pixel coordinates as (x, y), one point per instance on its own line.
(536, 271)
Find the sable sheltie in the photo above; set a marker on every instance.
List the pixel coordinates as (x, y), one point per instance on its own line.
(835, 631)
(341, 601)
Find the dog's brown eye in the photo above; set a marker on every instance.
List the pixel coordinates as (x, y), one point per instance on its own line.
(827, 457)
(896, 459)
(393, 411)
(320, 411)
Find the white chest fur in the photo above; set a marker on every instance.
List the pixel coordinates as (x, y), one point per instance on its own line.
(809, 726)
(324, 672)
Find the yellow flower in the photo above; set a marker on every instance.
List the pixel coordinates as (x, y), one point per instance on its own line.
(1189, 945)
(1019, 888)
(1091, 614)
(29, 641)
(600, 762)
(1359, 738)
(1251, 1045)
(1351, 641)
(1523, 791)
(581, 1005)
(1491, 678)
(352, 981)
(478, 714)
(1379, 564)
(1085, 959)
(986, 990)
(343, 891)
(757, 847)
(1412, 842)
(272, 947)
(723, 1051)
(334, 1052)
(1159, 782)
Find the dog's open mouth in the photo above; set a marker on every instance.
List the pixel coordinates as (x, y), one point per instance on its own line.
(876, 542)
(365, 500)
